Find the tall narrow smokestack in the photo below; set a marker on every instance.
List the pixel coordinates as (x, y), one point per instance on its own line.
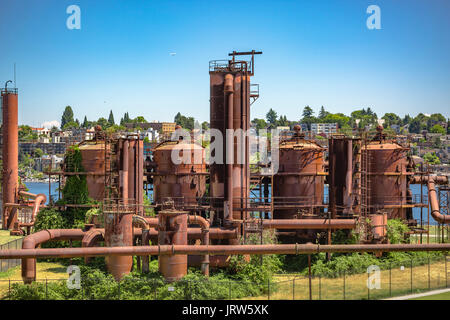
(10, 154)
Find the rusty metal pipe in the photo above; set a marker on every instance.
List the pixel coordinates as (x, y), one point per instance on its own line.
(419, 179)
(204, 224)
(10, 150)
(30, 242)
(125, 169)
(309, 224)
(91, 238)
(140, 221)
(164, 250)
(434, 204)
(229, 96)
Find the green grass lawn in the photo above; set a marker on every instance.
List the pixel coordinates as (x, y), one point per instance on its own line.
(440, 296)
(6, 237)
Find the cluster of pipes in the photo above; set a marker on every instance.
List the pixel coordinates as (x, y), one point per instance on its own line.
(181, 234)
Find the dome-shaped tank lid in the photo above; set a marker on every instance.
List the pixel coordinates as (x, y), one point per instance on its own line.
(296, 143)
(92, 146)
(178, 145)
(385, 145)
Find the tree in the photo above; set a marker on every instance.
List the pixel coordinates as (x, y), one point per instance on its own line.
(307, 112)
(38, 152)
(322, 113)
(259, 123)
(431, 158)
(283, 122)
(111, 119)
(391, 119)
(102, 122)
(85, 123)
(271, 117)
(437, 129)
(205, 125)
(308, 116)
(67, 116)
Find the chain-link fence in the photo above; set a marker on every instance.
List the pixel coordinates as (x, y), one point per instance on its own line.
(6, 264)
(394, 279)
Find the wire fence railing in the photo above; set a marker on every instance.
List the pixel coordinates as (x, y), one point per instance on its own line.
(6, 264)
(389, 280)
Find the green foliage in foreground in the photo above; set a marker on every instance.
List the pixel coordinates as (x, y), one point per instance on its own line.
(243, 278)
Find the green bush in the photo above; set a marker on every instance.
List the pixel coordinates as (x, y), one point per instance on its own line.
(396, 230)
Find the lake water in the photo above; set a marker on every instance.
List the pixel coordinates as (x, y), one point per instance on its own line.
(40, 187)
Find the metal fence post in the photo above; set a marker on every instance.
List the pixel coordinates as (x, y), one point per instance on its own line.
(368, 286)
(229, 290)
(411, 275)
(429, 280)
(390, 279)
(46, 289)
(446, 272)
(344, 285)
(9, 288)
(268, 289)
(293, 289)
(320, 287)
(118, 290)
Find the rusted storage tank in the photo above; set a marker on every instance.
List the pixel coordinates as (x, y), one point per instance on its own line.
(118, 219)
(343, 169)
(230, 109)
(10, 154)
(172, 229)
(298, 186)
(130, 165)
(181, 178)
(93, 161)
(385, 165)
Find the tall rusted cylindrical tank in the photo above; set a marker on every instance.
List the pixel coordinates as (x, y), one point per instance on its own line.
(10, 154)
(125, 164)
(182, 177)
(230, 109)
(118, 218)
(385, 164)
(172, 229)
(130, 164)
(342, 164)
(93, 162)
(298, 186)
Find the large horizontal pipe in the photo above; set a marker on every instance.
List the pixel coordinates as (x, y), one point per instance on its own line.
(216, 250)
(309, 223)
(434, 204)
(419, 179)
(32, 241)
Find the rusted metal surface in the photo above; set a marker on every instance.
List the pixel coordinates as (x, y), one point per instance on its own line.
(183, 181)
(169, 250)
(93, 160)
(10, 154)
(434, 204)
(172, 230)
(378, 223)
(230, 110)
(299, 180)
(387, 177)
(318, 224)
(35, 239)
(204, 225)
(92, 238)
(340, 178)
(118, 233)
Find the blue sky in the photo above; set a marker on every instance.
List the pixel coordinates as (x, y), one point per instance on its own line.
(314, 53)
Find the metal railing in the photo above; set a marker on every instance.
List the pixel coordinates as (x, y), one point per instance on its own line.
(391, 279)
(6, 264)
